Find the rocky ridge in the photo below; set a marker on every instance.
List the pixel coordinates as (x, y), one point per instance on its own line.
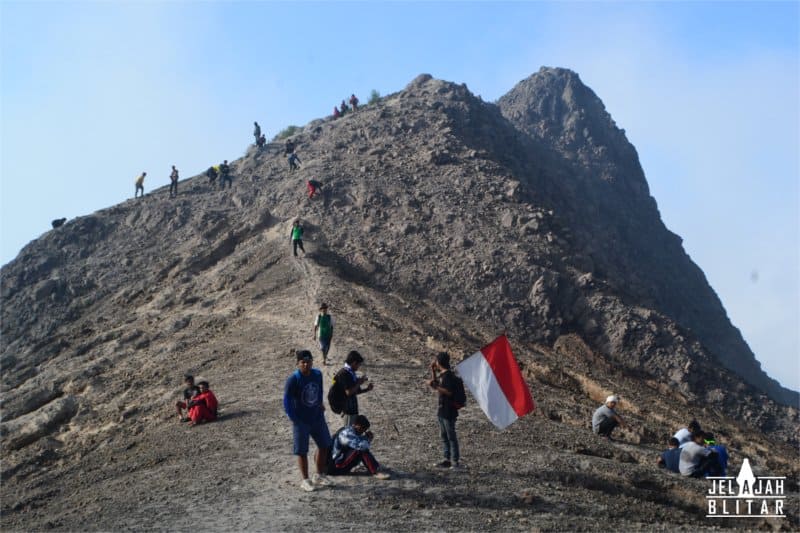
(443, 220)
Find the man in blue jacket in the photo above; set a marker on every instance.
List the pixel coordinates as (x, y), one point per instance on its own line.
(302, 401)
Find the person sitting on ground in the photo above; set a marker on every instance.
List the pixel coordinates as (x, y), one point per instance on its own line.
(351, 446)
(336, 113)
(352, 385)
(261, 142)
(670, 458)
(200, 407)
(354, 102)
(720, 468)
(293, 161)
(684, 435)
(212, 174)
(605, 418)
(188, 393)
(313, 186)
(696, 459)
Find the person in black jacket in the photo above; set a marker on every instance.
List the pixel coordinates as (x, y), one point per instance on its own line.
(445, 385)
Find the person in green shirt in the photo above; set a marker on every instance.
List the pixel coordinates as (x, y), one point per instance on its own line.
(297, 237)
(323, 330)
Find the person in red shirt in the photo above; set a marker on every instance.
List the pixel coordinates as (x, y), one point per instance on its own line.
(203, 407)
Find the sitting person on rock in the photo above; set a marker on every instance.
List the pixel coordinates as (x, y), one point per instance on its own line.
(203, 407)
(351, 446)
(605, 418)
(720, 468)
(670, 458)
(696, 460)
(189, 392)
(684, 435)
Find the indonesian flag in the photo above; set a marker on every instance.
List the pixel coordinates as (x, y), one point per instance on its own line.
(494, 379)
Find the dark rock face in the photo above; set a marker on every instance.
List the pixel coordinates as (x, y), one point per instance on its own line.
(617, 223)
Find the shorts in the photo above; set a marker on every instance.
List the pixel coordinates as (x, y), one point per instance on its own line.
(317, 430)
(325, 344)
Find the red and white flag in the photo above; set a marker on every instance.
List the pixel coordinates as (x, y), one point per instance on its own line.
(494, 379)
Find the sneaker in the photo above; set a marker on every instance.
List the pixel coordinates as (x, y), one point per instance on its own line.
(320, 479)
(456, 466)
(443, 464)
(307, 486)
(382, 475)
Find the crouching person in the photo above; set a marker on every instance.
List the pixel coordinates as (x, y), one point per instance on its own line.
(351, 447)
(203, 407)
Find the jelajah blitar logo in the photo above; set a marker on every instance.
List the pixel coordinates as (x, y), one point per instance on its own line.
(749, 497)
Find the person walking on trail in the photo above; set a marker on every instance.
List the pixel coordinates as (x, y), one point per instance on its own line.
(173, 182)
(605, 418)
(212, 173)
(293, 161)
(297, 238)
(302, 401)
(140, 185)
(351, 446)
(313, 186)
(352, 385)
(188, 393)
(225, 175)
(445, 386)
(256, 131)
(323, 331)
(354, 102)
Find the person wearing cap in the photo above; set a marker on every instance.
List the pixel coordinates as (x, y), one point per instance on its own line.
(684, 435)
(302, 401)
(323, 331)
(188, 393)
(351, 446)
(605, 418)
(445, 385)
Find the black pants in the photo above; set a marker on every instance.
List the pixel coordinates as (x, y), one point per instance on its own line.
(295, 244)
(173, 188)
(606, 427)
(222, 181)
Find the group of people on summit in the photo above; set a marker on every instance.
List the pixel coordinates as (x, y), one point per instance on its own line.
(343, 109)
(692, 452)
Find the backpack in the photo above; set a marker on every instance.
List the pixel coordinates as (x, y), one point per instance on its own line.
(459, 399)
(337, 398)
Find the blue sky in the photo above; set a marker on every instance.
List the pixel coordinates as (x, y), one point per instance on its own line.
(93, 93)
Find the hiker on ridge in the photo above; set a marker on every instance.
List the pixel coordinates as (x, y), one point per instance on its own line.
(352, 385)
(445, 385)
(173, 182)
(336, 113)
(212, 174)
(302, 401)
(261, 142)
(343, 107)
(605, 418)
(293, 161)
(140, 185)
(225, 175)
(351, 446)
(257, 131)
(354, 102)
(323, 330)
(297, 238)
(289, 147)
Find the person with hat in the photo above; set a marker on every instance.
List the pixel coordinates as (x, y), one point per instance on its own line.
(605, 418)
(351, 446)
(323, 330)
(302, 401)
